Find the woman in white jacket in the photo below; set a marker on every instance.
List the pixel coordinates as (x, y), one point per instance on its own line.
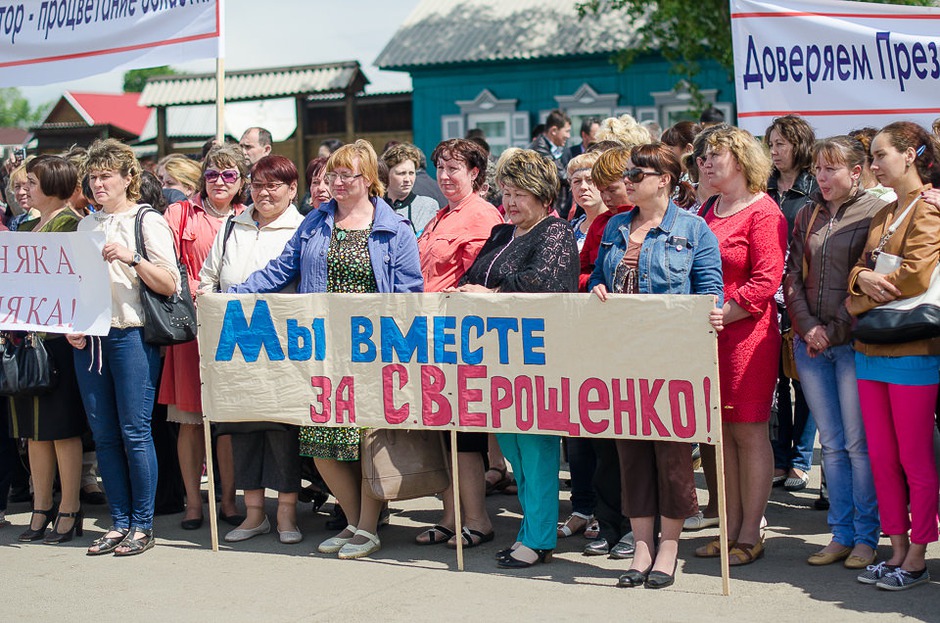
(245, 243)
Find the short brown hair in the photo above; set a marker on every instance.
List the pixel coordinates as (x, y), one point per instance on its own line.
(466, 151)
(798, 133)
(112, 155)
(526, 169)
(610, 166)
(399, 152)
(227, 156)
(57, 176)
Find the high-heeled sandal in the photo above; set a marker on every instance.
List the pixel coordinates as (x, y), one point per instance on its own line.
(77, 528)
(106, 544)
(38, 534)
(510, 562)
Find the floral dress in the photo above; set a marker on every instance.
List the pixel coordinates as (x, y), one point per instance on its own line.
(349, 270)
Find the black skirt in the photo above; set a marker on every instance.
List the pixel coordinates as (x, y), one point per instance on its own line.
(57, 415)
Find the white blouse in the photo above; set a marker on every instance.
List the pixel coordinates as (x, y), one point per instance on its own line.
(126, 310)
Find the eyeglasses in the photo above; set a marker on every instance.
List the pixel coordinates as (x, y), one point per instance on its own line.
(345, 177)
(229, 176)
(257, 187)
(636, 175)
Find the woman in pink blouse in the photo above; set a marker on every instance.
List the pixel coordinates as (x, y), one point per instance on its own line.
(752, 235)
(195, 224)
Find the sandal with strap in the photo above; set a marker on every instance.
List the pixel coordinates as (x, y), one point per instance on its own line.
(106, 544)
(593, 530)
(435, 535)
(504, 480)
(472, 538)
(745, 553)
(575, 524)
(712, 549)
(136, 546)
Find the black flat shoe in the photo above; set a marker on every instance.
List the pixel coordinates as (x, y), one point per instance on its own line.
(232, 520)
(55, 537)
(135, 546)
(660, 579)
(633, 578)
(544, 555)
(192, 524)
(93, 497)
(37, 535)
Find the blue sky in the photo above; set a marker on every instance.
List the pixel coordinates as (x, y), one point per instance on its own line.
(273, 33)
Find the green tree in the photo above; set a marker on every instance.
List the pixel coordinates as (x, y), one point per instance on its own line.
(15, 110)
(684, 32)
(135, 79)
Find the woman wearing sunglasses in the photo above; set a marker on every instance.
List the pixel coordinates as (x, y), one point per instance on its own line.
(657, 248)
(195, 224)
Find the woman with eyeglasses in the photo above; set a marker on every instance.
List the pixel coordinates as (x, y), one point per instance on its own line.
(195, 224)
(353, 244)
(677, 254)
(265, 457)
(752, 235)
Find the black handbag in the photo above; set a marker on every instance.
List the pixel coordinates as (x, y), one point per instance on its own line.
(170, 319)
(35, 372)
(9, 371)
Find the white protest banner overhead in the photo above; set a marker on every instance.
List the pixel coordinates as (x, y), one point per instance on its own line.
(46, 41)
(560, 364)
(57, 283)
(842, 65)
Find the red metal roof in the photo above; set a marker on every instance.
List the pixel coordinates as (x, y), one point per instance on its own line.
(119, 110)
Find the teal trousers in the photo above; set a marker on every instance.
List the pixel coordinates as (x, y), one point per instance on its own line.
(535, 463)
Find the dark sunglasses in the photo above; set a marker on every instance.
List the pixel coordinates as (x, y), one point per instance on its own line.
(636, 174)
(229, 176)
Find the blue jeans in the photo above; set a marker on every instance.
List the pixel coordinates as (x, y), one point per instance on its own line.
(796, 430)
(831, 391)
(119, 402)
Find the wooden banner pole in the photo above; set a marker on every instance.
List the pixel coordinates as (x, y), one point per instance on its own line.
(213, 514)
(458, 526)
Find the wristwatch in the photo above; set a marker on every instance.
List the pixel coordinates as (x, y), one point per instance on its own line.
(135, 260)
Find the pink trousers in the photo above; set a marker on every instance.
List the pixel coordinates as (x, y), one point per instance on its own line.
(899, 423)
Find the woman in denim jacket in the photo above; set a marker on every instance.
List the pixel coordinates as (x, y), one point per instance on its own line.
(355, 243)
(657, 248)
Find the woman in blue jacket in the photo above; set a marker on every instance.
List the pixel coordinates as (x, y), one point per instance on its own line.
(657, 248)
(355, 243)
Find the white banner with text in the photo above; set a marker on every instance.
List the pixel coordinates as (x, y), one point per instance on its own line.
(842, 65)
(47, 41)
(56, 283)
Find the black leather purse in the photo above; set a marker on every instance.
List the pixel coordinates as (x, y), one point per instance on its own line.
(170, 319)
(28, 370)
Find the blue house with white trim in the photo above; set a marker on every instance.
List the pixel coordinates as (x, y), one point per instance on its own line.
(501, 65)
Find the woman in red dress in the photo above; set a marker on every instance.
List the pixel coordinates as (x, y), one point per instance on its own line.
(195, 224)
(752, 234)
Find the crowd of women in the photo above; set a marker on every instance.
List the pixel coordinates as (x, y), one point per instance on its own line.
(790, 237)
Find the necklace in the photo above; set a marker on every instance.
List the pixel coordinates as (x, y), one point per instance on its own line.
(751, 202)
(207, 205)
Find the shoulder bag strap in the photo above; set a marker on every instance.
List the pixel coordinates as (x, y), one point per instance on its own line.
(809, 231)
(229, 226)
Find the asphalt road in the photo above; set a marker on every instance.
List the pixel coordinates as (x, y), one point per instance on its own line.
(181, 579)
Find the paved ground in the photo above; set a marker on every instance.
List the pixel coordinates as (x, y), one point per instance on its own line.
(261, 580)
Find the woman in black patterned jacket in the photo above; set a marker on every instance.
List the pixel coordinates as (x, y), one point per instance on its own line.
(534, 252)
